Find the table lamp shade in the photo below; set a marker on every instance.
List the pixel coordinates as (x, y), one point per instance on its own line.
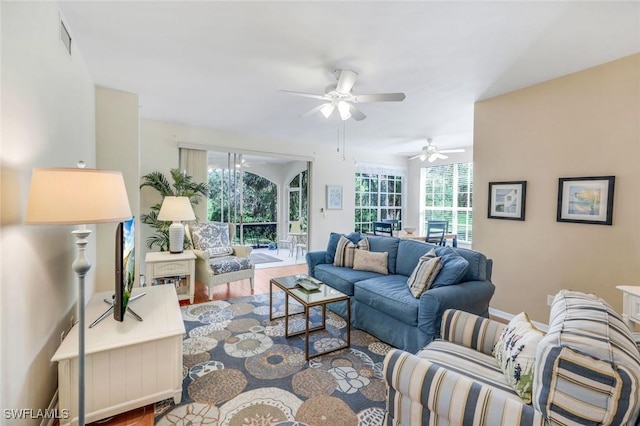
(176, 209)
(61, 196)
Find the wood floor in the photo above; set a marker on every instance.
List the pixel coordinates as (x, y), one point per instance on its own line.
(144, 416)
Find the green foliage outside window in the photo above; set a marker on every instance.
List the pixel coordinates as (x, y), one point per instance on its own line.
(378, 197)
(448, 196)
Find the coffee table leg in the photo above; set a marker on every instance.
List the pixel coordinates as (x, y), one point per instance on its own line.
(348, 322)
(306, 333)
(270, 301)
(286, 314)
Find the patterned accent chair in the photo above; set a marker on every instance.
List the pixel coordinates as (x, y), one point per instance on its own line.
(217, 260)
(586, 370)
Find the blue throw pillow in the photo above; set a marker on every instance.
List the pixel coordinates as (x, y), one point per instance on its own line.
(453, 269)
(332, 245)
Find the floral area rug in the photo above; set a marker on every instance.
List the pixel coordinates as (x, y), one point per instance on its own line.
(240, 369)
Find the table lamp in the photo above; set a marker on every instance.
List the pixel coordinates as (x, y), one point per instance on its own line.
(61, 196)
(176, 209)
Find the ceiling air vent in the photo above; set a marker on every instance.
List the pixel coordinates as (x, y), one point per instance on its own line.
(65, 37)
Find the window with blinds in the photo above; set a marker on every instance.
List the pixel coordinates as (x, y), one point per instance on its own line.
(448, 193)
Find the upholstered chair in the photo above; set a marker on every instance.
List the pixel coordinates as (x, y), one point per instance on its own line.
(217, 260)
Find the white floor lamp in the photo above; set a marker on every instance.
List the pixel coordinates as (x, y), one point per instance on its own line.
(80, 196)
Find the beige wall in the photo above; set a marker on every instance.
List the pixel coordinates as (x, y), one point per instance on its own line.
(583, 124)
(159, 151)
(117, 148)
(48, 120)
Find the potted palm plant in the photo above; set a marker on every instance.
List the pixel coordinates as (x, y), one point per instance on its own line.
(183, 186)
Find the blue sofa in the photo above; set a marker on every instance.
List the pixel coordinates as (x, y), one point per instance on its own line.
(383, 304)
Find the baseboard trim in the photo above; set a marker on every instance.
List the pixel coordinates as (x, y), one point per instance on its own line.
(506, 317)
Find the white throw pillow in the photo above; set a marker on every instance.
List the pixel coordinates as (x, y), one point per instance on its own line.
(373, 261)
(515, 352)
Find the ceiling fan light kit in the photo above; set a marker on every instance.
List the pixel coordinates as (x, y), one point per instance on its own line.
(432, 153)
(339, 96)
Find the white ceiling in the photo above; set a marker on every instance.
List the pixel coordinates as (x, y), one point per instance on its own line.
(222, 64)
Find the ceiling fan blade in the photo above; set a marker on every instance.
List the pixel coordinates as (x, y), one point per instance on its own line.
(380, 97)
(439, 156)
(314, 110)
(416, 156)
(356, 114)
(346, 81)
(452, 150)
(306, 95)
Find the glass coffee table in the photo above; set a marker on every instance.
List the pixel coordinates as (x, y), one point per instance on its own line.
(308, 299)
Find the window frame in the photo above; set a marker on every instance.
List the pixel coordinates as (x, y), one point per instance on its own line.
(464, 231)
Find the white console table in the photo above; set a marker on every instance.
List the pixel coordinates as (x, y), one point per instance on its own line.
(129, 364)
(630, 305)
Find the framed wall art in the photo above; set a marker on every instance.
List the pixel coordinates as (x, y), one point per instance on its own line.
(586, 200)
(507, 200)
(334, 197)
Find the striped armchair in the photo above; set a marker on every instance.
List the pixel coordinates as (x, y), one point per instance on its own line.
(587, 371)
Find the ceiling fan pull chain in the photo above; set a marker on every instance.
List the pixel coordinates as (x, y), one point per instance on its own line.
(344, 127)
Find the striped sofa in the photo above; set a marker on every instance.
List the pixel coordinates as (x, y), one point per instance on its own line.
(586, 372)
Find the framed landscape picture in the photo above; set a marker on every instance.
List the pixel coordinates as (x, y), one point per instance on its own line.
(586, 200)
(334, 197)
(507, 200)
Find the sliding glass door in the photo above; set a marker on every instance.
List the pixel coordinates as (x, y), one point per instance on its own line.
(258, 194)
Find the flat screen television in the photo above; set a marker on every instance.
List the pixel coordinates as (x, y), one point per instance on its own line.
(125, 267)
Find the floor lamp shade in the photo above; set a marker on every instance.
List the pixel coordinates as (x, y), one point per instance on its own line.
(176, 209)
(77, 197)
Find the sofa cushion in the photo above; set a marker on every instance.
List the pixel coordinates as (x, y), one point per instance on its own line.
(390, 295)
(468, 362)
(364, 260)
(388, 244)
(515, 353)
(225, 264)
(477, 265)
(211, 237)
(409, 254)
(345, 251)
(334, 237)
(587, 367)
(454, 267)
(424, 273)
(340, 278)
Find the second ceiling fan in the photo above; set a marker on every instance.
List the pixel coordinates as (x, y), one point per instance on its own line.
(432, 153)
(339, 97)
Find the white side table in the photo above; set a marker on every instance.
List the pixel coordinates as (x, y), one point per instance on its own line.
(129, 364)
(162, 264)
(630, 305)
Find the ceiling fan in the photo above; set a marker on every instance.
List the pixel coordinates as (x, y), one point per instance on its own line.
(431, 152)
(339, 96)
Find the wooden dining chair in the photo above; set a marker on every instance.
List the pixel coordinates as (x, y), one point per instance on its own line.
(435, 232)
(382, 228)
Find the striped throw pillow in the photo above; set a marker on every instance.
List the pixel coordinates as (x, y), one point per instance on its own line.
(346, 251)
(424, 273)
